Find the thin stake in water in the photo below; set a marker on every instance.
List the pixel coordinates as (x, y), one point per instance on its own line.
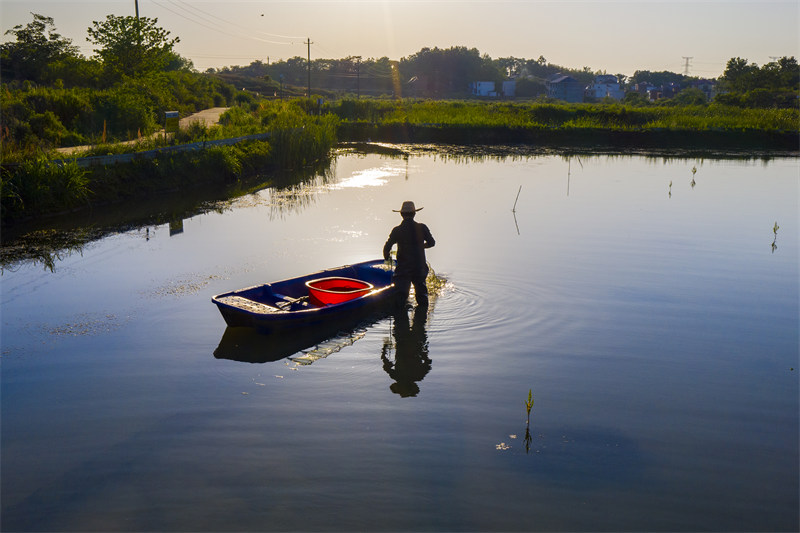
(514, 209)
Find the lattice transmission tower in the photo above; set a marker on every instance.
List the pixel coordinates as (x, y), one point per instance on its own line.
(686, 65)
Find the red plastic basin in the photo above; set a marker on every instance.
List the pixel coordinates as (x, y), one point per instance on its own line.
(327, 291)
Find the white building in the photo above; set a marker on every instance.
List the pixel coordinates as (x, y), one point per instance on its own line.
(489, 88)
(482, 88)
(605, 85)
(509, 88)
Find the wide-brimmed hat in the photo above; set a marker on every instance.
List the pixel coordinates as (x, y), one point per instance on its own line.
(408, 207)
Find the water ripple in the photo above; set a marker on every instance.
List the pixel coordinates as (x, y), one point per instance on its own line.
(495, 309)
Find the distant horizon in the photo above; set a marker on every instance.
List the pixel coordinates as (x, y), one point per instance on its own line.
(617, 37)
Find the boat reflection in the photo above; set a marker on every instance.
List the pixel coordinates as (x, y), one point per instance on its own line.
(411, 362)
(247, 345)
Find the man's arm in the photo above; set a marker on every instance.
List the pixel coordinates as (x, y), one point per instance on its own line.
(387, 248)
(428, 241)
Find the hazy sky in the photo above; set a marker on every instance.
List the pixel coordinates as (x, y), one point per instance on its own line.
(618, 37)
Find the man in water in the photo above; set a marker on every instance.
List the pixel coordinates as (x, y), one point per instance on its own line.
(411, 238)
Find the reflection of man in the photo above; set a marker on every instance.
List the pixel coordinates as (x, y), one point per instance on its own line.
(411, 239)
(411, 361)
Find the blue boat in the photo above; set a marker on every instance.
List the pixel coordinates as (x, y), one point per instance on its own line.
(336, 296)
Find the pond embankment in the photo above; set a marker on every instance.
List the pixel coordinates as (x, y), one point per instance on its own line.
(277, 136)
(711, 141)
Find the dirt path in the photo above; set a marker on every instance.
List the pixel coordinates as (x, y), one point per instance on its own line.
(208, 117)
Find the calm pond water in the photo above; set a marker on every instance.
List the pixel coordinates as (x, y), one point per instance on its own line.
(651, 310)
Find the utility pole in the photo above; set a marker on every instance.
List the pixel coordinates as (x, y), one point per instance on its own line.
(686, 65)
(137, 8)
(309, 43)
(358, 77)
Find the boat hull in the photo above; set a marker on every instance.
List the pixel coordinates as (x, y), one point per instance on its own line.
(283, 305)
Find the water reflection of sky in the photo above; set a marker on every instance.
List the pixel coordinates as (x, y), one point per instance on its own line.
(651, 318)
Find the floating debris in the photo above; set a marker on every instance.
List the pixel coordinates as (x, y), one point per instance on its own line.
(86, 325)
(184, 286)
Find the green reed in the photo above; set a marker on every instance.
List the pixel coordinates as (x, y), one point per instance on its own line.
(617, 117)
(39, 186)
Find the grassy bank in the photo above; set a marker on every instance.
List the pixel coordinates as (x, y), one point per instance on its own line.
(303, 133)
(41, 186)
(702, 126)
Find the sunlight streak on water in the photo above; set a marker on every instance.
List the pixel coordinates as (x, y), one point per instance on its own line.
(373, 177)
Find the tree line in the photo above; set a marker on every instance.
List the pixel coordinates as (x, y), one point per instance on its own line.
(447, 73)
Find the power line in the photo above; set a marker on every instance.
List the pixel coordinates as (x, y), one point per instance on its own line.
(308, 42)
(216, 28)
(215, 18)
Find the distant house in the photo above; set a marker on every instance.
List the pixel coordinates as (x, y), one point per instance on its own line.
(668, 90)
(605, 85)
(643, 88)
(489, 89)
(708, 87)
(564, 88)
(482, 88)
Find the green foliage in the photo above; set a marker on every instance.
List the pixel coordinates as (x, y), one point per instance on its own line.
(635, 99)
(451, 70)
(298, 139)
(529, 403)
(40, 186)
(658, 79)
(775, 84)
(132, 46)
(46, 117)
(538, 116)
(690, 96)
(529, 87)
(238, 121)
(37, 46)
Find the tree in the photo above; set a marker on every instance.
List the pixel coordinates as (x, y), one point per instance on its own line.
(512, 66)
(773, 85)
(789, 72)
(528, 88)
(635, 99)
(739, 75)
(131, 46)
(658, 79)
(449, 72)
(37, 46)
(690, 96)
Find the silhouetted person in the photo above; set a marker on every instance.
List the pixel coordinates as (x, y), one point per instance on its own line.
(411, 361)
(411, 238)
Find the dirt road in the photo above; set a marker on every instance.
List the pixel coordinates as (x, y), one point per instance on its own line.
(207, 116)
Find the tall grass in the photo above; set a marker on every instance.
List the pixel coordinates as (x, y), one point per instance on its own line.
(39, 186)
(536, 116)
